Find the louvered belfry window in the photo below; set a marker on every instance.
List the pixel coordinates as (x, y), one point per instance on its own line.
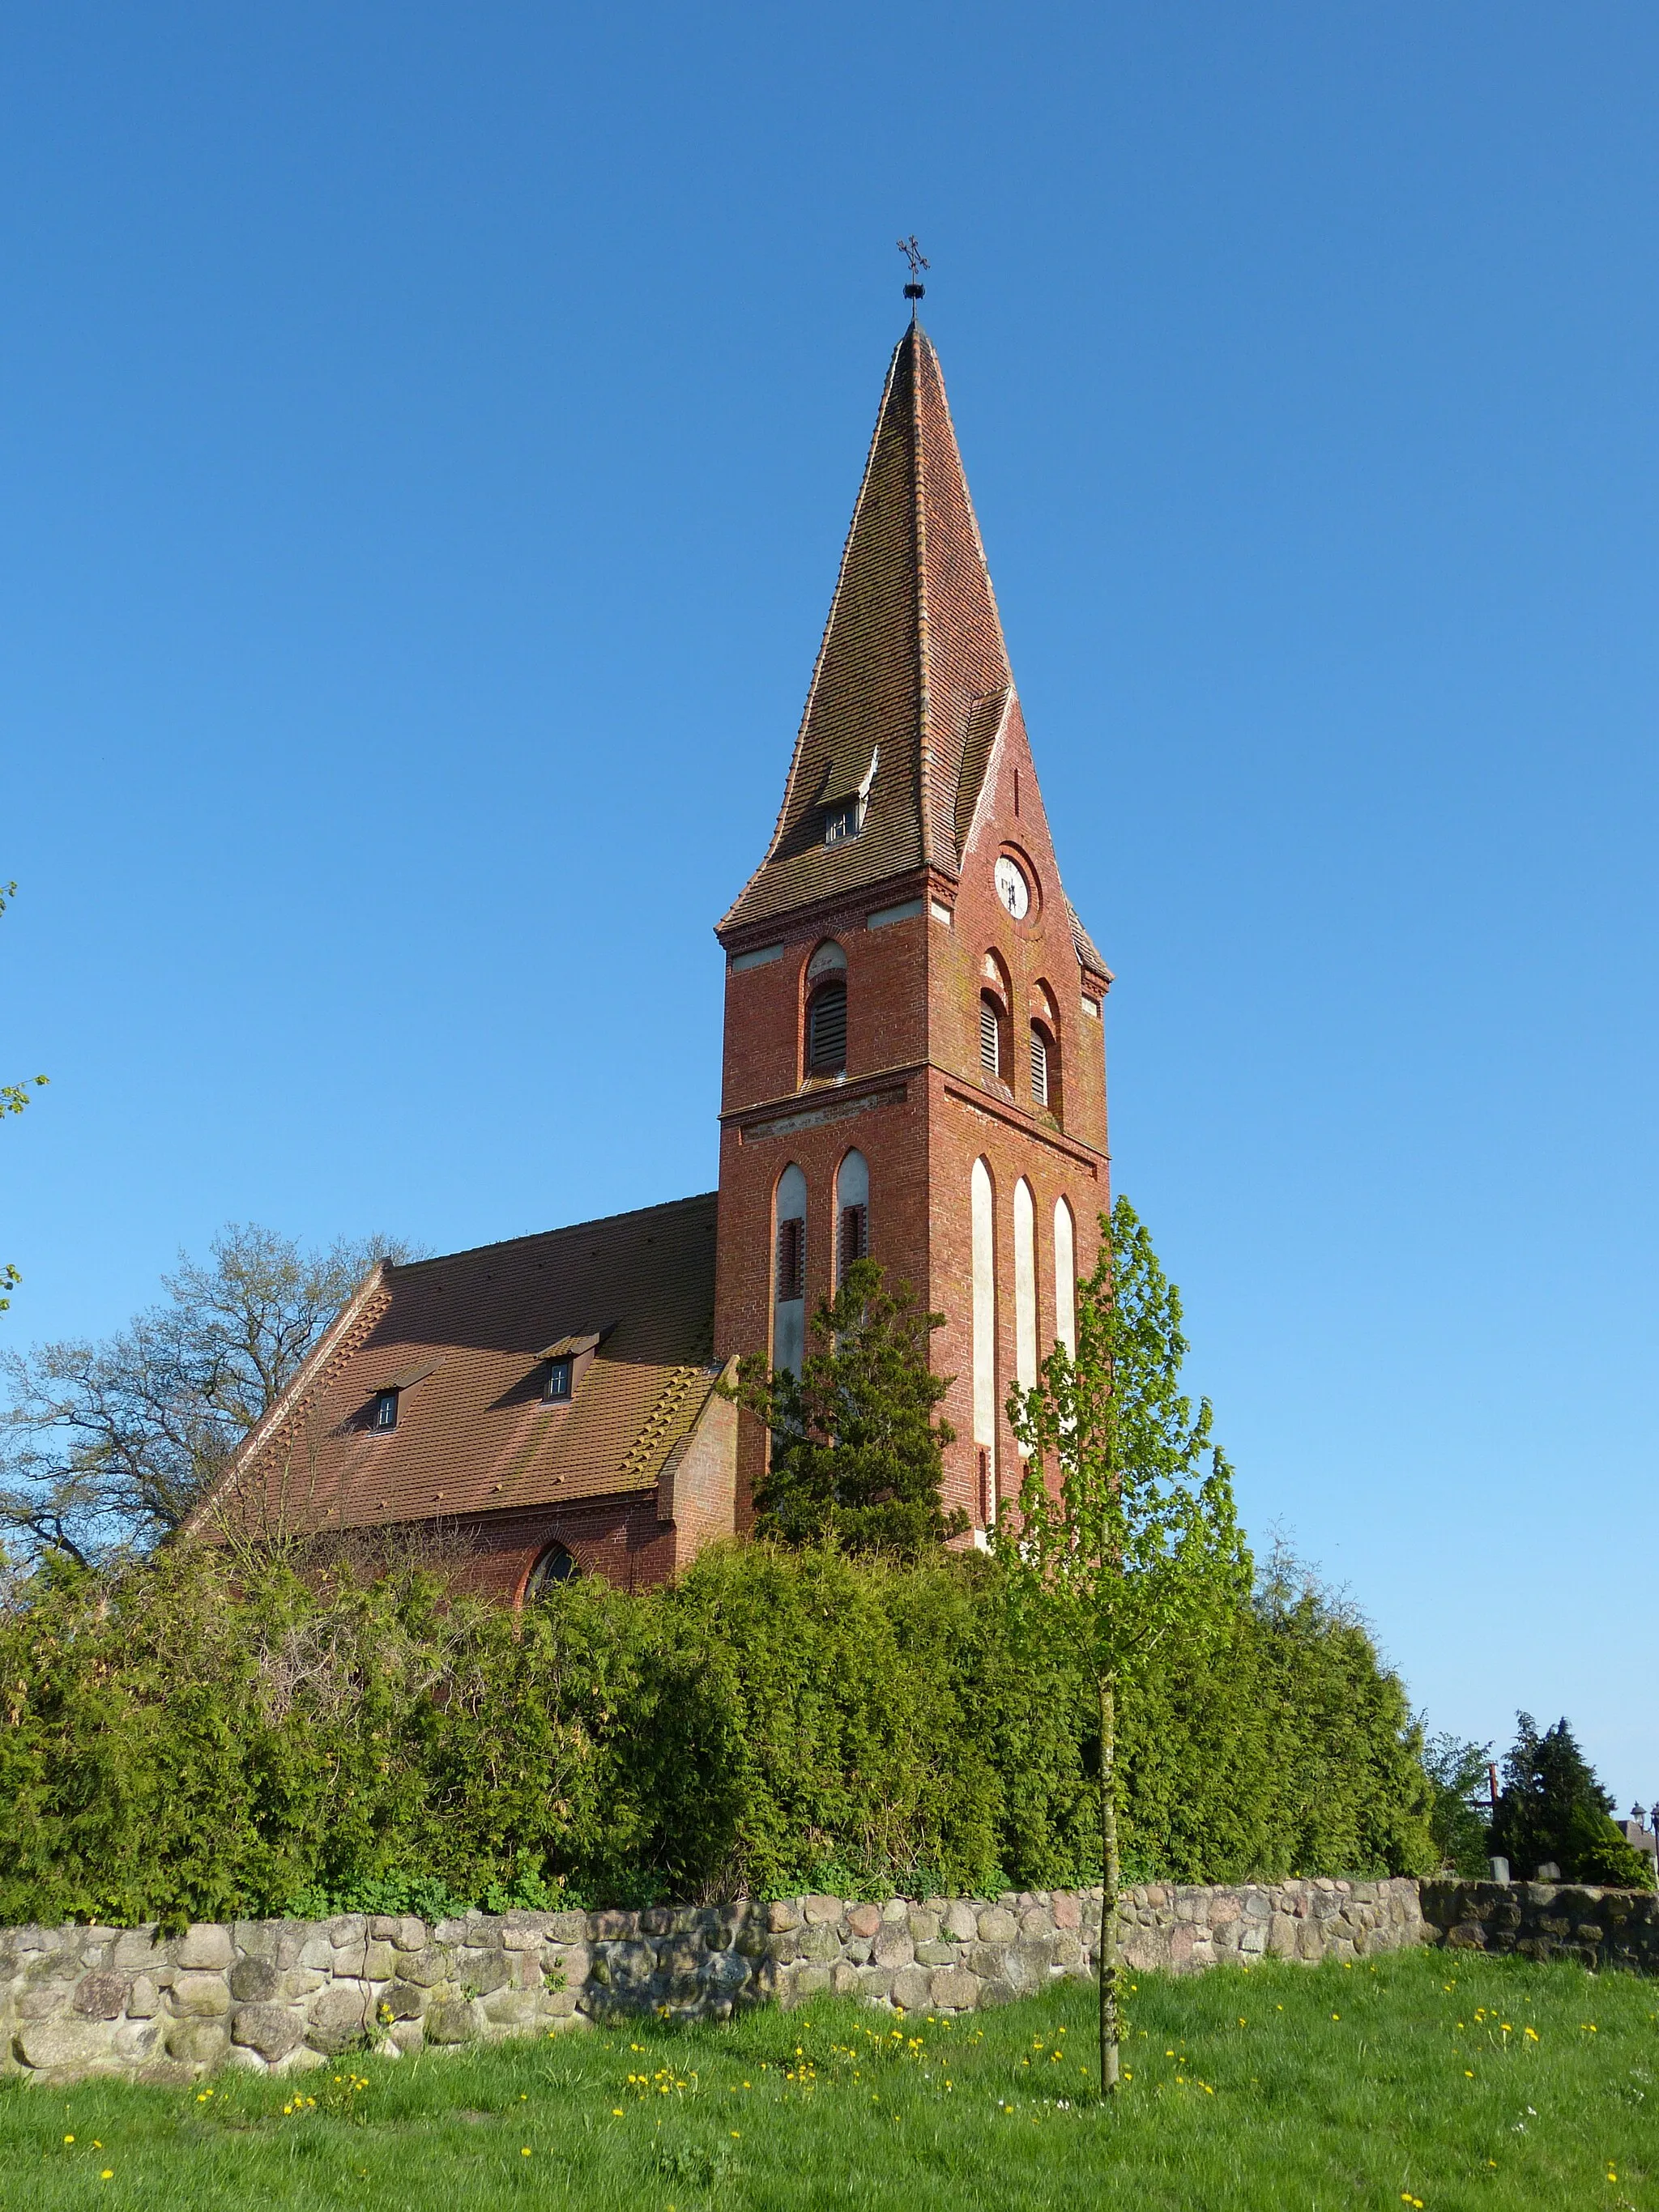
(826, 1031)
(990, 1036)
(854, 1239)
(792, 1260)
(1039, 1067)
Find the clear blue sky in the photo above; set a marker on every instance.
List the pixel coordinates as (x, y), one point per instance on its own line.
(427, 435)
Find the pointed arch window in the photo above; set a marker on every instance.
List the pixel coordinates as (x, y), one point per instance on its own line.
(1045, 1068)
(1065, 1278)
(826, 1027)
(557, 1564)
(992, 1058)
(852, 1214)
(789, 1279)
(1025, 1310)
(982, 1232)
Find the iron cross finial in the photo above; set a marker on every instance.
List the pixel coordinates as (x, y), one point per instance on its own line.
(913, 254)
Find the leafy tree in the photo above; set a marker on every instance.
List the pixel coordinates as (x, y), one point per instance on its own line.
(14, 1097)
(1460, 1774)
(1552, 1809)
(109, 1446)
(857, 1454)
(1126, 1534)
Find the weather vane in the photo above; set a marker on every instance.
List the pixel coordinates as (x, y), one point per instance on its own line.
(915, 289)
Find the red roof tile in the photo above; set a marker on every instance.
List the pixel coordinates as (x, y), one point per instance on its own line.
(912, 644)
(913, 670)
(465, 1339)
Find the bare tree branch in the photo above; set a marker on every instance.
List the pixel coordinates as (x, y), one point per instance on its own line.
(109, 1447)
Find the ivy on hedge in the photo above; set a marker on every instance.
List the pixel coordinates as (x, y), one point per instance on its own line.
(178, 1744)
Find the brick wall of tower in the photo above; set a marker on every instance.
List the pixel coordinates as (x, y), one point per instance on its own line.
(962, 1130)
(915, 1101)
(775, 1116)
(1061, 1154)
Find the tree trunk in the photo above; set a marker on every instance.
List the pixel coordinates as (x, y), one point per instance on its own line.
(1109, 1958)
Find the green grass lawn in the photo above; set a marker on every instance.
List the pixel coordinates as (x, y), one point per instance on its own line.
(1428, 2078)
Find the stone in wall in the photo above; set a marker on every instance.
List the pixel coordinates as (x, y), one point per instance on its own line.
(1594, 1928)
(281, 1996)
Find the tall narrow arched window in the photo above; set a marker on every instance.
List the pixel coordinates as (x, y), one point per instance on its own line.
(555, 1565)
(1065, 1278)
(1025, 1318)
(852, 1214)
(982, 1209)
(826, 1027)
(993, 1054)
(789, 1271)
(1045, 1068)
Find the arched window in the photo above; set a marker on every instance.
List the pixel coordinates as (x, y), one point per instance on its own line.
(826, 1027)
(1065, 1278)
(789, 1272)
(555, 1565)
(852, 1214)
(981, 1202)
(1026, 1319)
(1045, 1068)
(993, 1054)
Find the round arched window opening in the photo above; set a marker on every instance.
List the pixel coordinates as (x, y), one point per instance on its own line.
(555, 1565)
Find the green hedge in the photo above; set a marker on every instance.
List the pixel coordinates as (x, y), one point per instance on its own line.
(178, 1746)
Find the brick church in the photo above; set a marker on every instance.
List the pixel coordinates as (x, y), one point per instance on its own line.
(914, 1069)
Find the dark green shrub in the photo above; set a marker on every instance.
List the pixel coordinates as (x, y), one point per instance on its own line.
(1553, 1810)
(178, 1745)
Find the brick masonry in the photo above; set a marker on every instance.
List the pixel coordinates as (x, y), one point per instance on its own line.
(285, 1995)
(917, 1102)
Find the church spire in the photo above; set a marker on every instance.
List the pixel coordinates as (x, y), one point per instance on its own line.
(911, 671)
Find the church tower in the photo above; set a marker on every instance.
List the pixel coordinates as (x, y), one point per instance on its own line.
(914, 1062)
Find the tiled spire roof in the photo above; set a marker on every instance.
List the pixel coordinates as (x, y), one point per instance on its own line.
(912, 661)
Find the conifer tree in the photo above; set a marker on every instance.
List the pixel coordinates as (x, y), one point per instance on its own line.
(1125, 1535)
(857, 1455)
(1553, 1811)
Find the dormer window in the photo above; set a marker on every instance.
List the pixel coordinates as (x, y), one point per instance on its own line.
(566, 1361)
(843, 795)
(383, 1399)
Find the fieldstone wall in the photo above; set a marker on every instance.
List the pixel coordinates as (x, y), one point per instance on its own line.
(1598, 1928)
(282, 1995)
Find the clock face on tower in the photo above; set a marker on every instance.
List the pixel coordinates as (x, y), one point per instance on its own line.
(1012, 889)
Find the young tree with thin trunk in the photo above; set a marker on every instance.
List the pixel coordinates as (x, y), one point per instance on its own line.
(1125, 1536)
